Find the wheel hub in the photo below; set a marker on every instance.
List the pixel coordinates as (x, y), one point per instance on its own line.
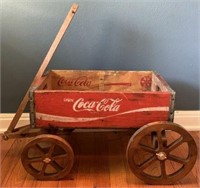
(161, 155)
(47, 160)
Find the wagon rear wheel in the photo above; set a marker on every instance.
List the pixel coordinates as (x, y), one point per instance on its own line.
(47, 157)
(161, 153)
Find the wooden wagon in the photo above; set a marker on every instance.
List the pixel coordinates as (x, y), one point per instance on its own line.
(63, 100)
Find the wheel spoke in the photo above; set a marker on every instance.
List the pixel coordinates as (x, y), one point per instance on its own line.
(147, 148)
(42, 172)
(51, 149)
(34, 160)
(62, 156)
(147, 163)
(163, 169)
(177, 159)
(55, 165)
(175, 144)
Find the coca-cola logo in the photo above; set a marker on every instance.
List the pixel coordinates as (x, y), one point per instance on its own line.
(146, 81)
(80, 81)
(103, 105)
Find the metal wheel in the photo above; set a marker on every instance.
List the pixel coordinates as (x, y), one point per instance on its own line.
(161, 153)
(47, 157)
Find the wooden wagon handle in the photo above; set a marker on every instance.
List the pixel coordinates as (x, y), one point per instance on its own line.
(43, 66)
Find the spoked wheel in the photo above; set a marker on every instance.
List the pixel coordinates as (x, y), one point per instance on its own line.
(161, 153)
(47, 157)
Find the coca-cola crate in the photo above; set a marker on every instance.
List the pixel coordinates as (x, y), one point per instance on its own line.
(64, 100)
(101, 99)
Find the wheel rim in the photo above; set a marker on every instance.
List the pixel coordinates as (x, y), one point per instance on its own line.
(47, 157)
(154, 153)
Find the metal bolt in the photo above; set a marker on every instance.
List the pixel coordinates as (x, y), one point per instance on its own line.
(47, 160)
(5, 136)
(161, 156)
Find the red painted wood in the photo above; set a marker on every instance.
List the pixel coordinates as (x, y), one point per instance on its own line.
(100, 109)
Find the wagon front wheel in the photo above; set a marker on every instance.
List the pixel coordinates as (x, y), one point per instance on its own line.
(47, 157)
(161, 153)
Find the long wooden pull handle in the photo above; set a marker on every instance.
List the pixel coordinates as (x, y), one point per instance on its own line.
(43, 66)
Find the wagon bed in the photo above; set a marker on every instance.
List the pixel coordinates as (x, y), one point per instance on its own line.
(101, 99)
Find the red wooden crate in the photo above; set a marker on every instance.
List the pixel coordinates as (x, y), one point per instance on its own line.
(101, 99)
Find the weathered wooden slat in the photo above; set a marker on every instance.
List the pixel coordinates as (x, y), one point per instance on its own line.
(100, 109)
(91, 80)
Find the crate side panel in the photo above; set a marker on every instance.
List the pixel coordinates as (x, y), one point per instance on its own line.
(113, 81)
(90, 109)
(127, 81)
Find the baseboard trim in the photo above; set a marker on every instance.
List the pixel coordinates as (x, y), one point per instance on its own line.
(5, 120)
(190, 120)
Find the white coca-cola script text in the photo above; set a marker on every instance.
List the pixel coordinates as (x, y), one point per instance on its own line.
(105, 104)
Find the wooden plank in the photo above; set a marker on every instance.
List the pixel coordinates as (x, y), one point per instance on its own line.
(81, 80)
(5, 148)
(12, 163)
(100, 109)
(19, 179)
(116, 160)
(43, 66)
(86, 146)
(102, 170)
